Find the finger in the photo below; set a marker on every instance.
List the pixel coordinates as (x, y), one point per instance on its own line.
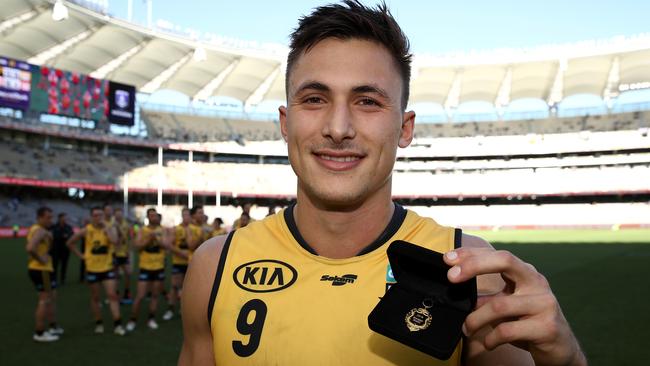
(471, 263)
(529, 330)
(499, 308)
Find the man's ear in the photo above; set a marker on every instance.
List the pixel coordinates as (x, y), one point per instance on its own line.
(408, 127)
(282, 110)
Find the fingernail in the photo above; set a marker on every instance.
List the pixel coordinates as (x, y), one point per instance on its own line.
(452, 255)
(454, 271)
(464, 330)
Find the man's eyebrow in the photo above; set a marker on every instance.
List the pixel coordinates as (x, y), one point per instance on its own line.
(314, 85)
(371, 89)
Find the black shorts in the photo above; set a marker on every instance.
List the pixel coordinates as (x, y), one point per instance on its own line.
(148, 276)
(42, 280)
(94, 277)
(120, 261)
(179, 268)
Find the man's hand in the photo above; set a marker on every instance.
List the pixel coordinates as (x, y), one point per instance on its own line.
(525, 313)
(44, 258)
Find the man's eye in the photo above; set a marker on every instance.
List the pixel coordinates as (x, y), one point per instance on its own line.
(313, 100)
(368, 101)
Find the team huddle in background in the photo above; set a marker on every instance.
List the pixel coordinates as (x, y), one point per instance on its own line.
(108, 241)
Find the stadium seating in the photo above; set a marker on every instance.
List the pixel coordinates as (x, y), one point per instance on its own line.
(182, 127)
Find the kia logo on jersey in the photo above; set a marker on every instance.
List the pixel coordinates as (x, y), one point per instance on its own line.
(265, 275)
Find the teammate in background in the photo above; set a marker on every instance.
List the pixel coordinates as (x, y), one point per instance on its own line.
(122, 252)
(196, 226)
(151, 243)
(183, 240)
(16, 230)
(246, 209)
(217, 228)
(40, 270)
(347, 88)
(61, 232)
(82, 265)
(243, 221)
(206, 227)
(100, 242)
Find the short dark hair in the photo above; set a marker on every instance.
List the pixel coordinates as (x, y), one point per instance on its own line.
(41, 211)
(185, 209)
(62, 214)
(118, 209)
(150, 210)
(194, 209)
(96, 208)
(350, 20)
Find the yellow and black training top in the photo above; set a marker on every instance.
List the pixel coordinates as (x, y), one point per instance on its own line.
(180, 242)
(152, 256)
(275, 302)
(98, 251)
(42, 248)
(123, 250)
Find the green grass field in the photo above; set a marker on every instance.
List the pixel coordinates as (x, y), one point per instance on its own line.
(603, 289)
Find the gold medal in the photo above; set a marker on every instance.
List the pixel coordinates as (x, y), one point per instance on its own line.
(419, 318)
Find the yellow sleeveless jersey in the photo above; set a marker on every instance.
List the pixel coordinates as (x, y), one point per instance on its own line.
(275, 302)
(98, 252)
(42, 248)
(180, 242)
(197, 232)
(123, 250)
(152, 256)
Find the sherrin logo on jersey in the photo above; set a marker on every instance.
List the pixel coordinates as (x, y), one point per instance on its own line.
(339, 281)
(265, 275)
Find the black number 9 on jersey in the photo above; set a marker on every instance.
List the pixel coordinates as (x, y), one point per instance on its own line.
(252, 329)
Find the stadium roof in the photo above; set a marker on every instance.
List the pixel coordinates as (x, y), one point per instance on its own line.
(105, 47)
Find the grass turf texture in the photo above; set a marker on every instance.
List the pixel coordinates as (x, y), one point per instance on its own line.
(602, 288)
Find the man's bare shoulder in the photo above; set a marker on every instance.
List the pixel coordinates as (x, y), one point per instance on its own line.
(473, 241)
(207, 254)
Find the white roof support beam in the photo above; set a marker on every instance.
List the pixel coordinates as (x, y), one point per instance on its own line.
(113, 64)
(210, 87)
(453, 97)
(261, 91)
(49, 54)
(613, 81)
(557, 90)
(12, 22)
(503, 96)
(155, 83)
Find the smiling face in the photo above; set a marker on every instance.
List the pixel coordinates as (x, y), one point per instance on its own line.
(344, 121)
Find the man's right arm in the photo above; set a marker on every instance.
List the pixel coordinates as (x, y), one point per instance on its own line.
(197, 347)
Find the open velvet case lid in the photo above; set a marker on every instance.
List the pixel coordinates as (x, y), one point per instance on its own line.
(423, 310)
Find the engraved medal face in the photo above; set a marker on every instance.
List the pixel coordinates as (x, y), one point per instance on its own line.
(418, 319)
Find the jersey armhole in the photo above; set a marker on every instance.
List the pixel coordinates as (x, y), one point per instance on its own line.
(458, 238)
(217, 276)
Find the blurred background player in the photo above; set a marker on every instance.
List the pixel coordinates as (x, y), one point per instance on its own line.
(122, 254)
(100, 241)
(151, 247)
(246, 209)
(183, 240)
(196, 226)
(40, 270)
(61, 232)
(217, 228)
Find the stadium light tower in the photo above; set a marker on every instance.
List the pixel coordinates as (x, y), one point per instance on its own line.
(59, 11)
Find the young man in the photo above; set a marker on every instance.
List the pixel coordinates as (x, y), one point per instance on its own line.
(121, 258)
(183, 241)
(196, 227)
(151, 245)
(61, 232)
(40, 270)
(245, 303)
(100, 241)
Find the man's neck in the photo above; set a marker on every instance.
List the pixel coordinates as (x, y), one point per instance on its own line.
(342, 233)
